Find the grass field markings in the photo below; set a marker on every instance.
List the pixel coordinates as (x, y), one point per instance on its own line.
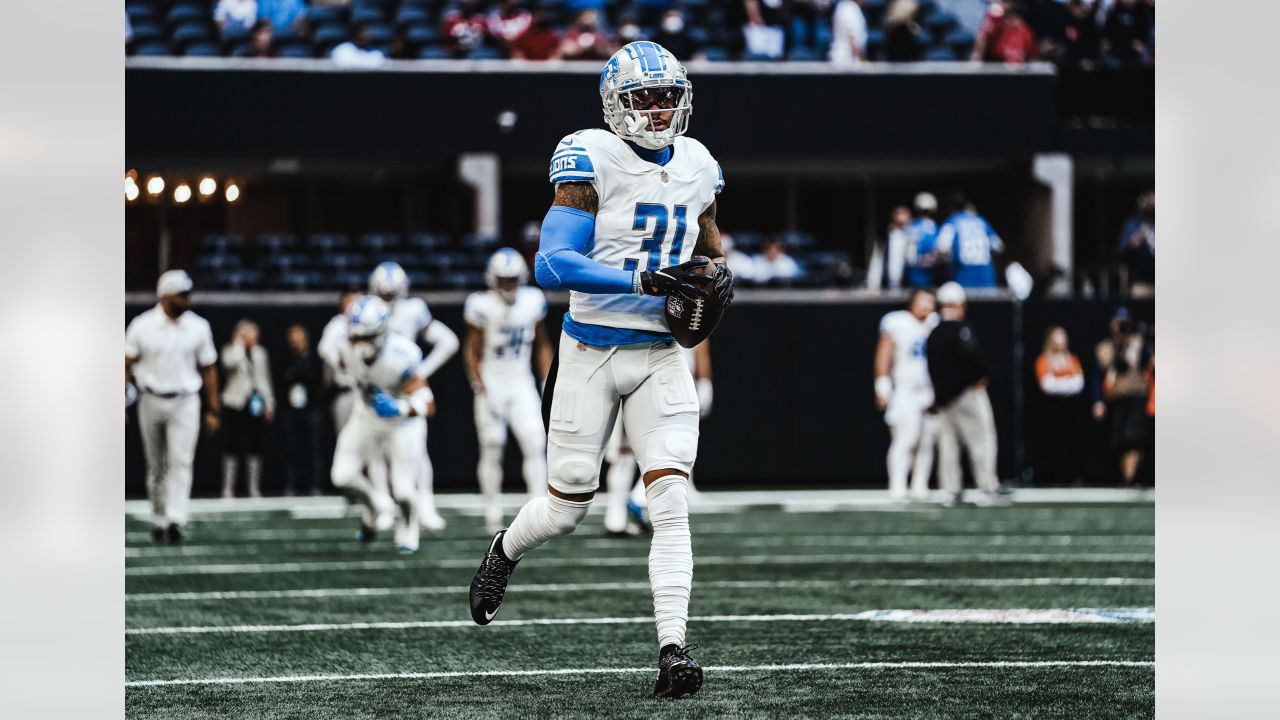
(864, 540)
(792, 667)
(605, 586)
(1011, 616)
(894, 558)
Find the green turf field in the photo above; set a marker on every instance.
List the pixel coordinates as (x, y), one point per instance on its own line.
(262, 615)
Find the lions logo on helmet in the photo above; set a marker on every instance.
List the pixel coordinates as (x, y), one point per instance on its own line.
(506, 272)
(642, 82)
(388, 281)
(367, 323)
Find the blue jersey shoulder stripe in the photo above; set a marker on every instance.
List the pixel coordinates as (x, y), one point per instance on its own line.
(572, 178)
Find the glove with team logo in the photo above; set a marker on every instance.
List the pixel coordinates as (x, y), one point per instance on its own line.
(683, 280)
(388, 407)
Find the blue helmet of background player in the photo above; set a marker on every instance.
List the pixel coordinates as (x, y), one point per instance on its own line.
(646, 94)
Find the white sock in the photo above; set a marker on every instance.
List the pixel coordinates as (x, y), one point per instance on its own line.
(540, 520)
(619, 479)
(670, 557)
(489, 472)
(427, 496)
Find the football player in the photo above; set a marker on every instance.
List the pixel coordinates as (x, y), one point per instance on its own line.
(411, 318)
(388, 420)
(633, 205)
(504, 326)
(903, 393)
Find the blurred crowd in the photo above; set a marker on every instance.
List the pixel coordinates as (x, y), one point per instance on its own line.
(1085, 34)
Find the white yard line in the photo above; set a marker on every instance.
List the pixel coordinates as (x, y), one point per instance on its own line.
(1016, 616)
(873, 540)
(428, 563)
(587, 587)
(794, 667)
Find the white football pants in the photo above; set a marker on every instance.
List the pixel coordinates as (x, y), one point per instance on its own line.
(368, 440)
(170, 428)
(509, 403)
(912, 433)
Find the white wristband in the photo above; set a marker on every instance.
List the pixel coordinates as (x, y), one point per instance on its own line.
(884, 387)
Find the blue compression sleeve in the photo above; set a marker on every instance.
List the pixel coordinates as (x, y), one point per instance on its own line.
(561, 262)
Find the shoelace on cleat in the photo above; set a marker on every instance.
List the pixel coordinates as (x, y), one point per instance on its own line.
(680, 653)
(494, 576)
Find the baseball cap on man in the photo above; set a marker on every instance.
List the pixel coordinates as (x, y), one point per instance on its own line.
(173, 282)
(950, 294)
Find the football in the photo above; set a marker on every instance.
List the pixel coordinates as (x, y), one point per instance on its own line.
(692, 321)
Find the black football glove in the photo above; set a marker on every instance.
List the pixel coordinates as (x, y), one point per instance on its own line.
(722, 284)
(677, 280)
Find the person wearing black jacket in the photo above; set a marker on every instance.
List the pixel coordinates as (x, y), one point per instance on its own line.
(302, 414)
(959, 376)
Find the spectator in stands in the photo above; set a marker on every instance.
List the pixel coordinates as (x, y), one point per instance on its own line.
(233, 15)
(904, 39)
(539, 42)
(464, 28)
(888, 259)
(284, 15)
(507, 22)
(1122, 393)
(398, 47)
(775, 265)
(249, 402)
(762, 32)
(1138, 247)
(302, 416)
(805, 17)
(1126, 33)
(1082, 36)
(969, 243)
(629, 31)
(1048, 21)
(261, 41)
(922, 240)
(849, 34)
(1005, 36)
(672, 36)
(584, 40)
(358, 52)
(1060, 378)
(741, 264)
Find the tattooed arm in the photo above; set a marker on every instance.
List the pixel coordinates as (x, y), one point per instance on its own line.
(577, 195)
(567, 231)
(708, 234)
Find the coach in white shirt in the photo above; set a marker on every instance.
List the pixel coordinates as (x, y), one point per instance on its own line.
(169, 354)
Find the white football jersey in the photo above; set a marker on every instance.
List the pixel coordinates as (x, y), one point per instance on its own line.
(647, 218)
(910, 368)
(393, 365)
(508, 331)
(409, 317)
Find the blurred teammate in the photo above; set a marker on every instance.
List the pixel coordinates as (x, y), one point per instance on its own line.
(625, 496)
(169, 354)
(959, 377)
(504, 324)
(969, 242)
(903, 392)
(388, 420)
(922, 239)
(632, 208)
(411, 318)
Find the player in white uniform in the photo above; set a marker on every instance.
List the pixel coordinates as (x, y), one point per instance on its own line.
(411, 318)
(504, 324)
(632, 208)
(339, 380)
(903, 392)
(626, 505)
(388, 420)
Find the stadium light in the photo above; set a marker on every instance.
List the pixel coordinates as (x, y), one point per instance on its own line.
(232, 192)
(182, 193)
(208, 186)
(155, 185)
(131, 191)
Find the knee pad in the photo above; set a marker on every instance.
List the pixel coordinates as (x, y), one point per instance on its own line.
(673, 447)
(573, 470)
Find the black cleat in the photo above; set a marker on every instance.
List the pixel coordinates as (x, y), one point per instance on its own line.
(366, 534)
(174, 534)
(490, 582)
(679, 675)
(158, 535)
(618, 534)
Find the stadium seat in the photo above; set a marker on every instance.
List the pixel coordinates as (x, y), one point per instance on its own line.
(238, 279)
(327, 36)
(221, 243)
(419, 35)
(433, 52)
(698, 35)
(145, 32)
(939, 54)
(802, 54)
(319, 16)
(202, 49)
(367, 14)
(303, 280)
(484, 52)
(412, 15)
(420, 279)
(939, 24)
(188, 12)
(274, 242)
(715, 54)
(343, 261)
(352, 279)
(191, 32)
(798, 240)
(152, 49)
(327, 241)
(379, 34)
(477, 241)
(873, 11)
(875, 43)
(961, 43)
(283, 261)
(427, 242)
(295, 50)
(747, 241)
(217, 261)
(140, 13)
(924, 8)
(379, 242)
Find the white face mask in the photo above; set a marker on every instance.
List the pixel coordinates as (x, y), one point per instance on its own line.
(673, 24)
